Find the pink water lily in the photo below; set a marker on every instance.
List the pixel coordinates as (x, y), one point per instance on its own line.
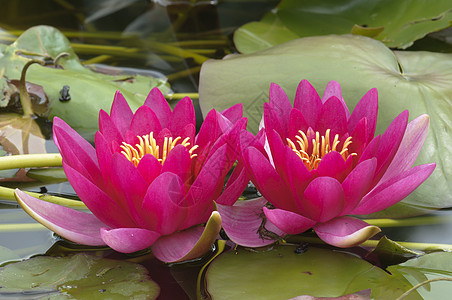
(149, 181)
(321, 164)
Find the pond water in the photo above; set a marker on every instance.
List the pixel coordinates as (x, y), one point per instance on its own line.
(100, 31)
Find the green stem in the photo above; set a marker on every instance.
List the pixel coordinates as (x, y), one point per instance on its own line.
(179, 52)
(21, 227)
(175, 96)
(183, 73)
(373, 243)
(7, 194)
(202, 43)
(409, 221)
(30, 161)
(25, 100)
(421, 284)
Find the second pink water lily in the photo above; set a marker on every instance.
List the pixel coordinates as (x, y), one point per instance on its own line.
(150, 181)
(321, 164)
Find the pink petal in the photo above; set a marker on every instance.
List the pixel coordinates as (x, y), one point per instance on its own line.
(234, 188)
(247, 139)
(281, 105)
(233, 113)
(209, 183)
(271, 120)
(307, 101)
(149, 167)
(98, 202)
(323, 199)
(157, 102)
(188, 244)
(394, 190)
(144, 122)
(188, 131)
(358, 183)
(108, 128)
(128, 240)
(208, 131)
(333, 89)
(163, 204)
(268, 181)
(183, 114)
(371, 150)
(345, 232)
(389, 143)
(409, 148)
(76, 151)
(178, 162)
(60, 126)
(244, 221)
(232, 140)
(332, 116)
(120, 113)
(359, 138)
(298, 174)
(332, 165)
(104, 154)
(287, 221)
(297, 122)
(79, 227)
(278, 151)
(367, 107)
(130, 187)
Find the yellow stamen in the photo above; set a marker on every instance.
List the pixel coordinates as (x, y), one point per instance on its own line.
(320, 147)
(148, 145)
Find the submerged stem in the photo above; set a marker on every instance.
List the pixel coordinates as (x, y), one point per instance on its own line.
(30, 161)
(175, 96)
(22, 227)
(373, 243)
(430, 220)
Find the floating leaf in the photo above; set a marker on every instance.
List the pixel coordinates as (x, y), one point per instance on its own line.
(418, 81)
(390, 253)
(434, 266)
(280, 273)
(80, 276)
(396, 23)
(88, 91)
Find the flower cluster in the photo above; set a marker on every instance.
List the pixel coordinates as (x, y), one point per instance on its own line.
(151, 181)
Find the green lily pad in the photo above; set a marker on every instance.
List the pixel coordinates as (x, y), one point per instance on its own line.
(390, 253)
(89, 91)
(418, 81)
(396, 23)
(280, 273)
(80, 276)
(432, 266)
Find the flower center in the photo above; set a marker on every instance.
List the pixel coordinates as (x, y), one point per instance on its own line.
(148, 145)
(320, 146)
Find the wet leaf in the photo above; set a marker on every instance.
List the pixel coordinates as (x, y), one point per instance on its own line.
(418, 81)
(396, 23)
(80, 276)
(389, 252)
(317, 272)
(88, 91)
(430, 266)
